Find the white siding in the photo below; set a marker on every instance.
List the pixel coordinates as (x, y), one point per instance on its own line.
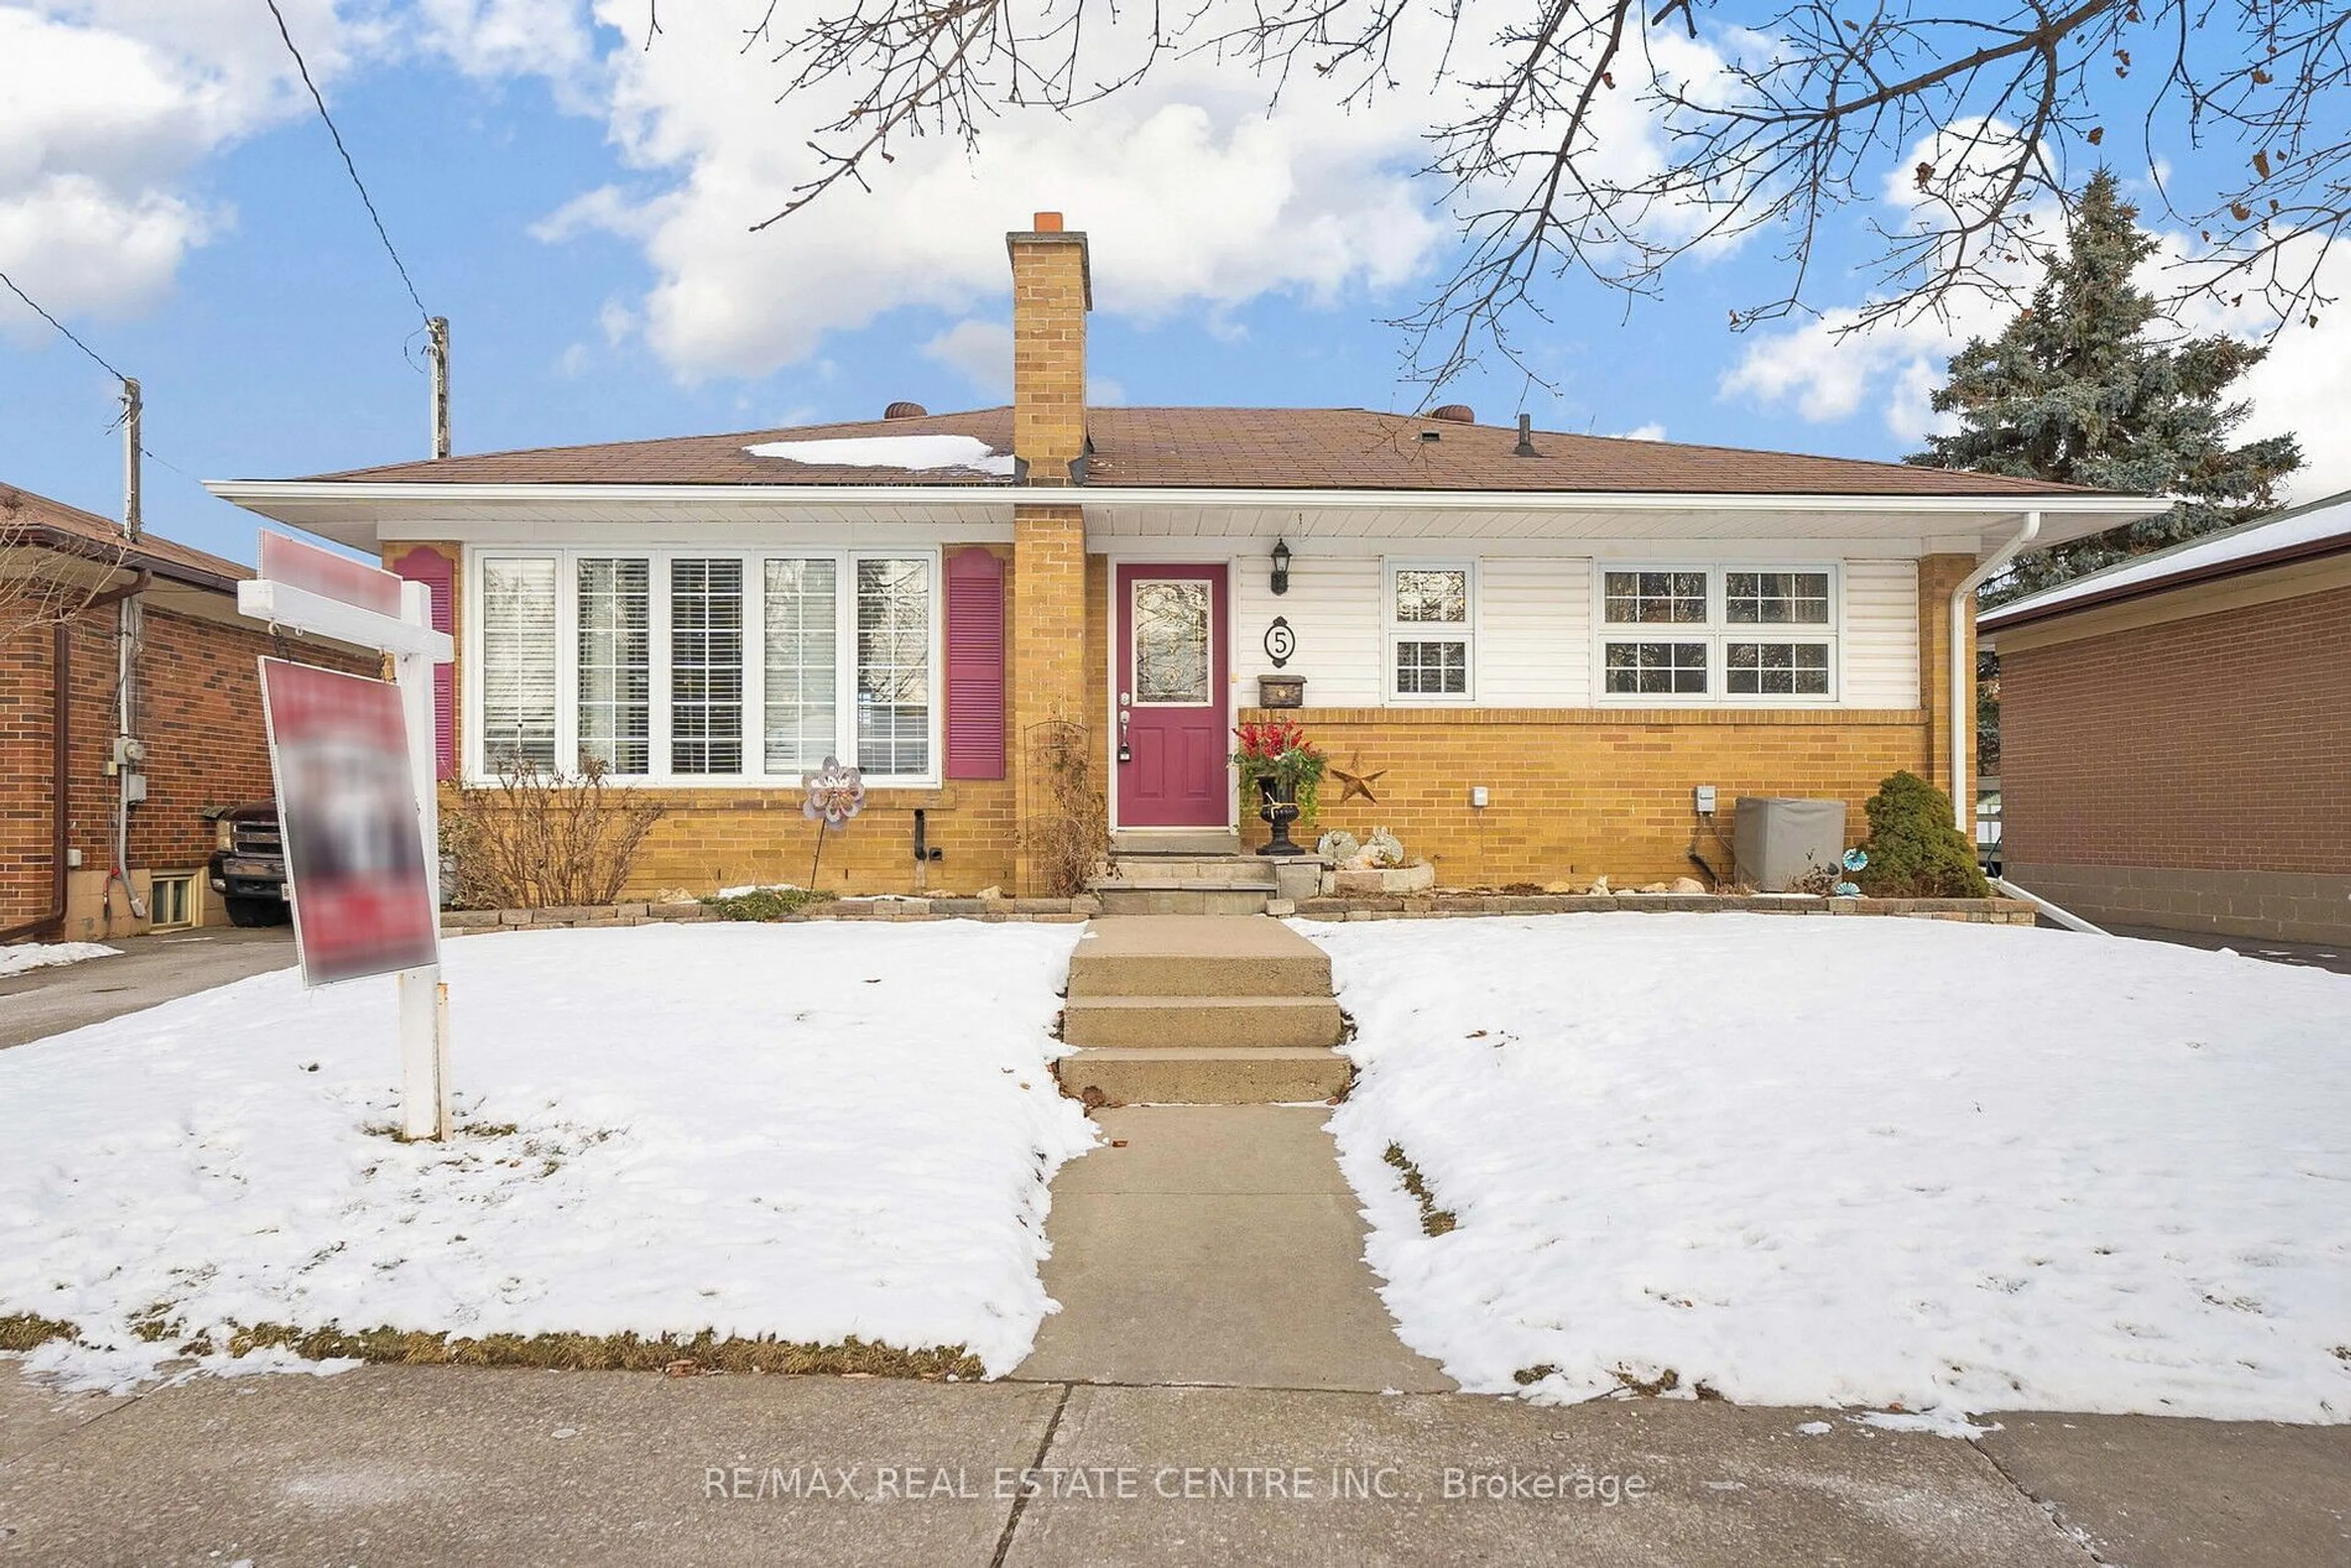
(1881, 633)
(1534, 632)
(1333, 606)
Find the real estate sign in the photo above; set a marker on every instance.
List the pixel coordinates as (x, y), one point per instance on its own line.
(347, 807)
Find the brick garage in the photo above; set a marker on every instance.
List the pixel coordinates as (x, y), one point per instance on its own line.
(2173, 736)
(196, 705)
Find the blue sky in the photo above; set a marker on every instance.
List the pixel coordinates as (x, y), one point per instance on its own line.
(578, 208)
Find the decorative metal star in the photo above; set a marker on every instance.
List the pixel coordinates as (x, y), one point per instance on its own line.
(1354, 784)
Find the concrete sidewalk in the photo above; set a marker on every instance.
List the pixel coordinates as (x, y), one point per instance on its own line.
(445, 1465)
(1216, 1244)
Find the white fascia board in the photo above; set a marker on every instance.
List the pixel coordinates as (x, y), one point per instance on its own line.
(365, 515)
(258, 493)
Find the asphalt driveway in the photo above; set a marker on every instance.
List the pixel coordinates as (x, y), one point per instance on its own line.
(151, 969)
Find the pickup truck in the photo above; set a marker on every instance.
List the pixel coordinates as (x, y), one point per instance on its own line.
(248, 870)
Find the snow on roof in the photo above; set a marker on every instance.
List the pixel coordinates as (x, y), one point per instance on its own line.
(2313, 525)
(915, 453)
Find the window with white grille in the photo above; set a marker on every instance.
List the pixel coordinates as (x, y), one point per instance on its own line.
(1431, 632)
(1688, 633)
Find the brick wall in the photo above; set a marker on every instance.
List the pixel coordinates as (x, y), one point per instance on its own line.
(199, 711)
(1579, 792)
(2209, 745)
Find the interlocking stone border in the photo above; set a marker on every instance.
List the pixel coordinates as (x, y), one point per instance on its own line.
(474, 922)
(1974, 911)
(1416, 906)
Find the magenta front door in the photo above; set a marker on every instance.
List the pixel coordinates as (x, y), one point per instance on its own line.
(1173, 677)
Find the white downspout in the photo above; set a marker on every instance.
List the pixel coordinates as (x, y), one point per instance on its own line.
(1963, 711)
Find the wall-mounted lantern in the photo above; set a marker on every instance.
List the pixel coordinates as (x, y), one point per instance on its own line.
(1280, 566)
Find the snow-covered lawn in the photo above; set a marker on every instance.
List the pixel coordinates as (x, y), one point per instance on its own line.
(1857, 1161)
(808, 1131)
(21, 957)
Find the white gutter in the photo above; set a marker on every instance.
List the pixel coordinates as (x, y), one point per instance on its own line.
(2066, 918)
(249, 492)
(1963, 713)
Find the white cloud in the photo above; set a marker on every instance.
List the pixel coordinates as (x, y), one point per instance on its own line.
(509, 37)
(1652, 431)
(980, 350)
(112, 104)
(1193, 195)
(109, 103)
(572, 363)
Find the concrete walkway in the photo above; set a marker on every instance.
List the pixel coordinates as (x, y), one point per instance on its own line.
(443, 1464)
(1218, 1245)
(150, 971)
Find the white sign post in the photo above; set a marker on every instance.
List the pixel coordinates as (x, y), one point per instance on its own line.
(310, 590)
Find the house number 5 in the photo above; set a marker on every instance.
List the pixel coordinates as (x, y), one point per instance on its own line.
(1280, 642)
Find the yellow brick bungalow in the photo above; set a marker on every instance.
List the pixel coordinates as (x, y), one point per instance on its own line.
(1531, 646)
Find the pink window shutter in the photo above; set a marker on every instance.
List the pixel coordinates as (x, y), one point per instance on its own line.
(438, 574)
(975, 665)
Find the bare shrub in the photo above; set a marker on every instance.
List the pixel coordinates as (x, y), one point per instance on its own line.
(547, 840)
(1068, 835)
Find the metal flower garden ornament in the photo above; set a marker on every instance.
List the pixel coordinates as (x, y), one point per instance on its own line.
(835, 794)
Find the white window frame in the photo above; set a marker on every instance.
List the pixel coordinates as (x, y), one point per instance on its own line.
(754, 662)
(1393, 631)
(1718, 630)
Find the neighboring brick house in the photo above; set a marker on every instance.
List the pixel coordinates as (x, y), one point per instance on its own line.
(2174, 731)
(195, 708)
(1585, 627)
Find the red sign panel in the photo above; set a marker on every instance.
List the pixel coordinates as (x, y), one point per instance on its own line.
(332, 576)
(347, 809)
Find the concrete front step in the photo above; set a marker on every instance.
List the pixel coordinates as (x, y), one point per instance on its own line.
(1176, 896)
(1202, 842)
(1130, 1075)
(1202, 1023)
(1190, 955)
(1187, 868)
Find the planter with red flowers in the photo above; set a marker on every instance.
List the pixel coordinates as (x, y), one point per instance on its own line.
(1282, 767)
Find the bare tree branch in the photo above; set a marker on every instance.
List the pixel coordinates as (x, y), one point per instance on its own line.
(1602, 139)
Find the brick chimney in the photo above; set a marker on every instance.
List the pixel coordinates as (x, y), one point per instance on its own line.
(1051, 292)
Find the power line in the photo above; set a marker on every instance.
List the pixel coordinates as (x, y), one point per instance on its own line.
(99, 360)
(35, 307)
(382, 233)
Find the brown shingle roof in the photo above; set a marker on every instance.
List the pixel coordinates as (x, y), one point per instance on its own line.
(1242, 448)
(43, 521)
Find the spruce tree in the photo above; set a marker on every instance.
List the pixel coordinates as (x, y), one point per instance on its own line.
(2087, 386)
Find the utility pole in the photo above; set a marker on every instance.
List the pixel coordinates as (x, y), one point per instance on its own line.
(130, 444)
(436, 349)
(130, 783)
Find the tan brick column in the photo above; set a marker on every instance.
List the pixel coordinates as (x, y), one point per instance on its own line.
(1048, 648)
(1051, 294)
(1938, 575)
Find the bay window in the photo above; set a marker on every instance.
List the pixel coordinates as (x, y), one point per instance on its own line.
(1729, 633)
(738, 667)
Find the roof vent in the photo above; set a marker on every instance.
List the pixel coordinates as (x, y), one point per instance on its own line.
(1526, 446)
(905, 410)
(1454, 414)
